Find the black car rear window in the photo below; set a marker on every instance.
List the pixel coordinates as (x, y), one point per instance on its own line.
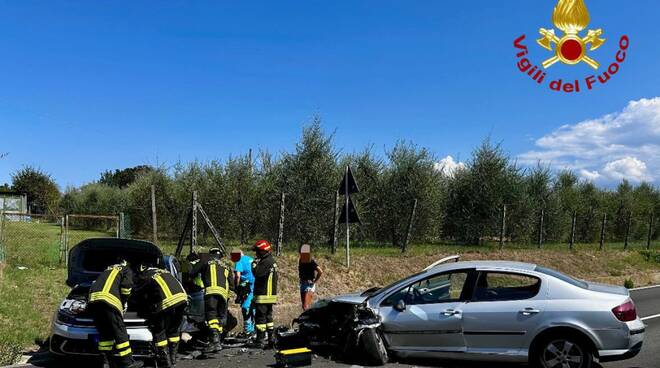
(561, 276)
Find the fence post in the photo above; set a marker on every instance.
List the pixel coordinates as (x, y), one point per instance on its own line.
(628, 223)
(66, 240)
(503, 226)
(280, 229)
(411, 220)
(62, 246)
(541, 228)
(193, 227)
(602, 232)
(573, 222)
(648, 239)
(154, 221)
(335, 224)
(2, 242)
(121, 226)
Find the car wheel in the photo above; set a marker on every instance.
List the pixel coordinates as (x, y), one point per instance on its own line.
(373, 347)
(562, 352)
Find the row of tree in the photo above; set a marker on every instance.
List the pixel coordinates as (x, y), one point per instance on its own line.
(242, 196)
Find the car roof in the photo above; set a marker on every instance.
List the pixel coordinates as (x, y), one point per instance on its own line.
(499, 265)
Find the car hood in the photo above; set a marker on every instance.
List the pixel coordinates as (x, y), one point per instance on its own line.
(355, 298)
(604, 288)
(92, 256)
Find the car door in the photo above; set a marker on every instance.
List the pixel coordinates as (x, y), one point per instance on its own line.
(431, 319)
(504, 309)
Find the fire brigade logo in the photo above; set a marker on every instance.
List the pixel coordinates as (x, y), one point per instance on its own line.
(571, 17)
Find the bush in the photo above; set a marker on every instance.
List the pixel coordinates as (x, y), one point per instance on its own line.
(629, 284)
(651, 255)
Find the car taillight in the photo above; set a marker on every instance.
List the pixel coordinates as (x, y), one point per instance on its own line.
(625, 312)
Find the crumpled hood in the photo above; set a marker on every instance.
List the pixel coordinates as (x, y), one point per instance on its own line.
(354, 298)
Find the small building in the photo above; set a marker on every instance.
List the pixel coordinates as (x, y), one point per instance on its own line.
(13, 203)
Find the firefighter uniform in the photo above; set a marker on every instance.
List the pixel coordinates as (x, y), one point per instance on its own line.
(218, 281)
(264, 270)
(163, 301)
(107, 297)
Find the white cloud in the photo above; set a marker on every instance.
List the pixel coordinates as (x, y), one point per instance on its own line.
(621, 145)
(448, 166)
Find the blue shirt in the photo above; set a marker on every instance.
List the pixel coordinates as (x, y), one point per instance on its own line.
(244, 266)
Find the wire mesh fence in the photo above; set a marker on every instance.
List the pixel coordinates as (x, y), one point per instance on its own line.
(31, 240)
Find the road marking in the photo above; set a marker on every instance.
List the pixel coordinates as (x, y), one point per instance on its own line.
(650, 317)
(645, 287)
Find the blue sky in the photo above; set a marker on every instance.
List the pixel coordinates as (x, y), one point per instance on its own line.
(87, 85)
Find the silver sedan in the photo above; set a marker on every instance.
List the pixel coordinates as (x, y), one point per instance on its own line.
(501, 312)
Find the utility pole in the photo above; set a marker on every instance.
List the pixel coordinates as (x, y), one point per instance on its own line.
(193, 228)
(280, 231)
(154, 221)
(628, 224)
(541, 228)
(411, 220)
(648, 239)
(335, 224)
(573, 222)
(348, 228)
(503, 227)
(602, 232)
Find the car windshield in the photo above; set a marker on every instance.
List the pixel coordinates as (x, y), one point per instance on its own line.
(394, 285)
(562, 277)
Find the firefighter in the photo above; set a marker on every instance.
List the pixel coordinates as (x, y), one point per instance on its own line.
(163, 302)
(244, 281)
(264, 269)
(217, 282)
(107, 297)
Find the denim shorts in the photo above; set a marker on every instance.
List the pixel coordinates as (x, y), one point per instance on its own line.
(306, 286)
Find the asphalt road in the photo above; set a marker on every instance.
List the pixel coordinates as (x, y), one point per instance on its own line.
(646, 300)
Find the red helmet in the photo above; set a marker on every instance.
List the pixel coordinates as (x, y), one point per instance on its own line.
(262, 245)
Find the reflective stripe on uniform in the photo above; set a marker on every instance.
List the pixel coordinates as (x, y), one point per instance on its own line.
(123, 345)
(265, 299)
(125, 291)
(174, 339)
(170, 299)
(105, 295)
(105, 348)
(214, 289)
(270, 325)
(261, 327)
(124, 352)
(107, 343)
(160, 344)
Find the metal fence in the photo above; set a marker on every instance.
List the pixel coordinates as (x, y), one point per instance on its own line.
(28, 240)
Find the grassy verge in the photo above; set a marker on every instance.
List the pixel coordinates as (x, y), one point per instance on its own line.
(29, 297)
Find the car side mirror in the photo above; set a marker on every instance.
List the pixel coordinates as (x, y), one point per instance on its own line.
(400, 305)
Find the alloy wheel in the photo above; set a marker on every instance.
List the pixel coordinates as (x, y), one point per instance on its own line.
(562, 354)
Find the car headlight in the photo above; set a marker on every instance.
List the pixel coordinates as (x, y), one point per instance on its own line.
(73, 306)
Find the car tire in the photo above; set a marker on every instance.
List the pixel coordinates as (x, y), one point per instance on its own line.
(373, 348)
(555, 350)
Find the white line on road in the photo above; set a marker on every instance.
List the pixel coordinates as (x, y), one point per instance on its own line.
(650, 317)
(645, 287)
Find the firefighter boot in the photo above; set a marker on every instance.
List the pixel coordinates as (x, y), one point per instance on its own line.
(128, 362)
(259, 341)
(174, 349)
(163, 357)
(271, 338)
(214, 344)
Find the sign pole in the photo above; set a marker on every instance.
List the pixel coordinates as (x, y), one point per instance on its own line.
(348, 228)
